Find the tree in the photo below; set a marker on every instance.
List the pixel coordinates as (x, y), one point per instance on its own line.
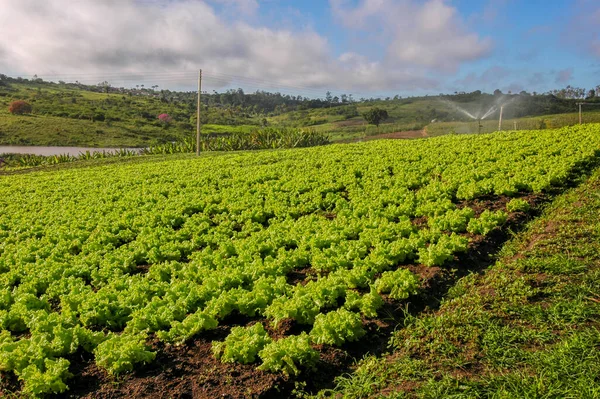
(591, 94)
(19, 108)
(375, 115)
(104, 86)
(497, 92)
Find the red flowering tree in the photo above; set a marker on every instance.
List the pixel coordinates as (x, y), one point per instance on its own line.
(165, 118)
(19, 108)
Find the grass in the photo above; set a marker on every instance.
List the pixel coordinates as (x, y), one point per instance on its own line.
(56, 131)
(527, 327)
(76, 117)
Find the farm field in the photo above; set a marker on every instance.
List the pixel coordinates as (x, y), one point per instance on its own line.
(244, 273)
(526, 328)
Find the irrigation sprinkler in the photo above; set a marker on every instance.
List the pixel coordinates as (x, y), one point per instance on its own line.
(478, 116)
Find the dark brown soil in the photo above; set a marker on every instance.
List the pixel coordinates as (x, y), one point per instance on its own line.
(187, 371)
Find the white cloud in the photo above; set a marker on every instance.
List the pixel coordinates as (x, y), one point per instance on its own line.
(429, 34)
(136, 36)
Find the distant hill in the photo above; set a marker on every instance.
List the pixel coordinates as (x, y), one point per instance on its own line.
(106, 116)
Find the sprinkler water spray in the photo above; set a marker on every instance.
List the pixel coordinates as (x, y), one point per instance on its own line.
(480, 116)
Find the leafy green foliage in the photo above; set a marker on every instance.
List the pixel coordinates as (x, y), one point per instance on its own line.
(375, 116)
(517, 205)
(190, 326)
(400, 284)
(486, 222)
(242, 344)
(47, 379)
(288, 354)
(337, 327)
(494, 321)
(171, 247)
(367, 304)
(455, 220)
(307, 301)
(119, 353)
(437, 253)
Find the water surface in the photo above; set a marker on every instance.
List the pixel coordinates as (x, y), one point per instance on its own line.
(40, 150)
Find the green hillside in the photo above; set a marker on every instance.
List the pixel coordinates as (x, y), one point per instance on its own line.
(74, 114)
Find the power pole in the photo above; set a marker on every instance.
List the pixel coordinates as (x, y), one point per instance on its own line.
(198, 114)
(500, 121)
(581, 111)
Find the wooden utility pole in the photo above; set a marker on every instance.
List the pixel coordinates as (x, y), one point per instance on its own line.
(198, 113)
(500, 121)
(581, 110)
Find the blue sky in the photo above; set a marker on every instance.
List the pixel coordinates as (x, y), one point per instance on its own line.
(364, 47)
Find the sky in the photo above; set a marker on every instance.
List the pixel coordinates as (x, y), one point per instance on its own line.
(307, 47)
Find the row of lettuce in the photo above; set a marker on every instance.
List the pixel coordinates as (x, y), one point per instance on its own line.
(100, 259)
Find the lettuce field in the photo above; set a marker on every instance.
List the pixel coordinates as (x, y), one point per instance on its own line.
(114, 263)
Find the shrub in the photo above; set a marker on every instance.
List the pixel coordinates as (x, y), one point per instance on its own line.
(375, 115)
(99, 116)
(19, 108)
(165, 118)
